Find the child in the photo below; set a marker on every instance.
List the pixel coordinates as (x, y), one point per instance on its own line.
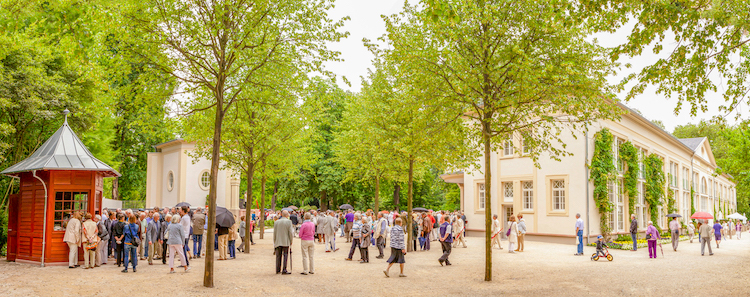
(600, 246)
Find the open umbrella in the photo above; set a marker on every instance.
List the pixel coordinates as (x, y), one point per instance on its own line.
(736, 216)
(292, 207)
(702, 215)
(181, 204)
(224, 217)
(419, 209)
(287, 209)
(674, 215)
(346, 206)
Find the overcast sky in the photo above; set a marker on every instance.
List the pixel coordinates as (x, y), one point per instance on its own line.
(366, 22)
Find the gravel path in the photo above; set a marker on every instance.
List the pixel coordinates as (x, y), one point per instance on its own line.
(543, 269)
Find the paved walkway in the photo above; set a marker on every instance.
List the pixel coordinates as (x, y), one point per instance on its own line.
(544, 269)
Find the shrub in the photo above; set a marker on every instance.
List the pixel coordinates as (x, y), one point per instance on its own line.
(3, 230)
(269, 223)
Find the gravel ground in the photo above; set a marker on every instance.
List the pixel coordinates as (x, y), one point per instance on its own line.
(543, 269)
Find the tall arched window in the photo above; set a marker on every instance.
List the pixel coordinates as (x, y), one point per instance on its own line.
(703, 185)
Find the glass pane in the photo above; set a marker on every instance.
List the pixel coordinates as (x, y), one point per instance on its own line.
(67, 196)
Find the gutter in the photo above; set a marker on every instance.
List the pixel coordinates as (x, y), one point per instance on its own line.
(44, 228)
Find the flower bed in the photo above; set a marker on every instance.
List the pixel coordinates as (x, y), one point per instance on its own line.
(642, 243)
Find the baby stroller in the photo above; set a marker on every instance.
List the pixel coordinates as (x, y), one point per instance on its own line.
(595, 256)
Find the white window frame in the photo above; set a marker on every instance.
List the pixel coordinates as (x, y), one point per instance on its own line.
(620, 205)
(641, 167)
(558, 194)
(508, 193)
(170, 181)
(528, 195)
(508, 147)
(641, 205)
(200, 180)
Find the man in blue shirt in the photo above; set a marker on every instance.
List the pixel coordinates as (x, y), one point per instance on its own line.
(579, 234)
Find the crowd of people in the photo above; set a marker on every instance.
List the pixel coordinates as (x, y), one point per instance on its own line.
(127, 236)
(362, 229)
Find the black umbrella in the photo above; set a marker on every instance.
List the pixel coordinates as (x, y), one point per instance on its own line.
(419, 209)
(674, 215)
(224, 217)
(181, 204)
(346, 206)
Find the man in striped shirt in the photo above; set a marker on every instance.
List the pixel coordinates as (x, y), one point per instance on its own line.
(356, 232)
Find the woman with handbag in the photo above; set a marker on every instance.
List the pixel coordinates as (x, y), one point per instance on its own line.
(175, 239)
(651, 236)
(512, 235)
(90, 242)
(131, 241)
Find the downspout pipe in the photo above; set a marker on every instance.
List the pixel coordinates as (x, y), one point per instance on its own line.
(44, 227)
(585, 164)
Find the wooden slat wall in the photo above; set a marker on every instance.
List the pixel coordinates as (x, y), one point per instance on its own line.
(31, 211)
(31, 217)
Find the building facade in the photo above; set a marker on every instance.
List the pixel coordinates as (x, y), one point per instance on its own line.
(550, 196)
(174, 175)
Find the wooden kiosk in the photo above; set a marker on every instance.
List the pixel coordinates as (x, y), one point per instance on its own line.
(60, 177)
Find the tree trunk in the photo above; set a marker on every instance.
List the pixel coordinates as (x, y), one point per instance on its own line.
(262, 201)
(487, 202)
(396, 196)
(116, 188)
(275, 191)
(208, 277)
(409, 192)
(324, 204)
(377, 195)
(249, 203)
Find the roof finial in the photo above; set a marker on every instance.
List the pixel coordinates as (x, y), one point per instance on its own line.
(66, 112)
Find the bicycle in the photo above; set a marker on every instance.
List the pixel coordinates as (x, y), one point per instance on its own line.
(595, 256)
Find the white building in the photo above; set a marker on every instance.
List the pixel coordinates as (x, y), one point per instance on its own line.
(174, 176)
(550, 196)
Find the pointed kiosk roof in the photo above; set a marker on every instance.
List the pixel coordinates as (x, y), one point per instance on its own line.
(63, 151)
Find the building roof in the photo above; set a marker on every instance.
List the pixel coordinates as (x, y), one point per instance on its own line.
(169, 143)
(63, 151)
(692, 143)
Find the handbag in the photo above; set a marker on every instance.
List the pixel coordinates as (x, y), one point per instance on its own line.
(507, 233)
(648, 236)
(93, 242)
(135, 241)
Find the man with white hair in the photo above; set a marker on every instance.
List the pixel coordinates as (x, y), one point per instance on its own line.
(356, 235)
(705, 237)
(283, 235)
(100, 254)
(329, 231)
(153, 237)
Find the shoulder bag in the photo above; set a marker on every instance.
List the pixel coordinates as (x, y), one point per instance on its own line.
(135, 241)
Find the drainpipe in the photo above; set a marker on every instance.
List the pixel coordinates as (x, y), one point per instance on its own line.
(585, 164)
(44, 228)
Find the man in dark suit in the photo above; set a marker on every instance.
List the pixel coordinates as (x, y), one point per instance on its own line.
(634, 232)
